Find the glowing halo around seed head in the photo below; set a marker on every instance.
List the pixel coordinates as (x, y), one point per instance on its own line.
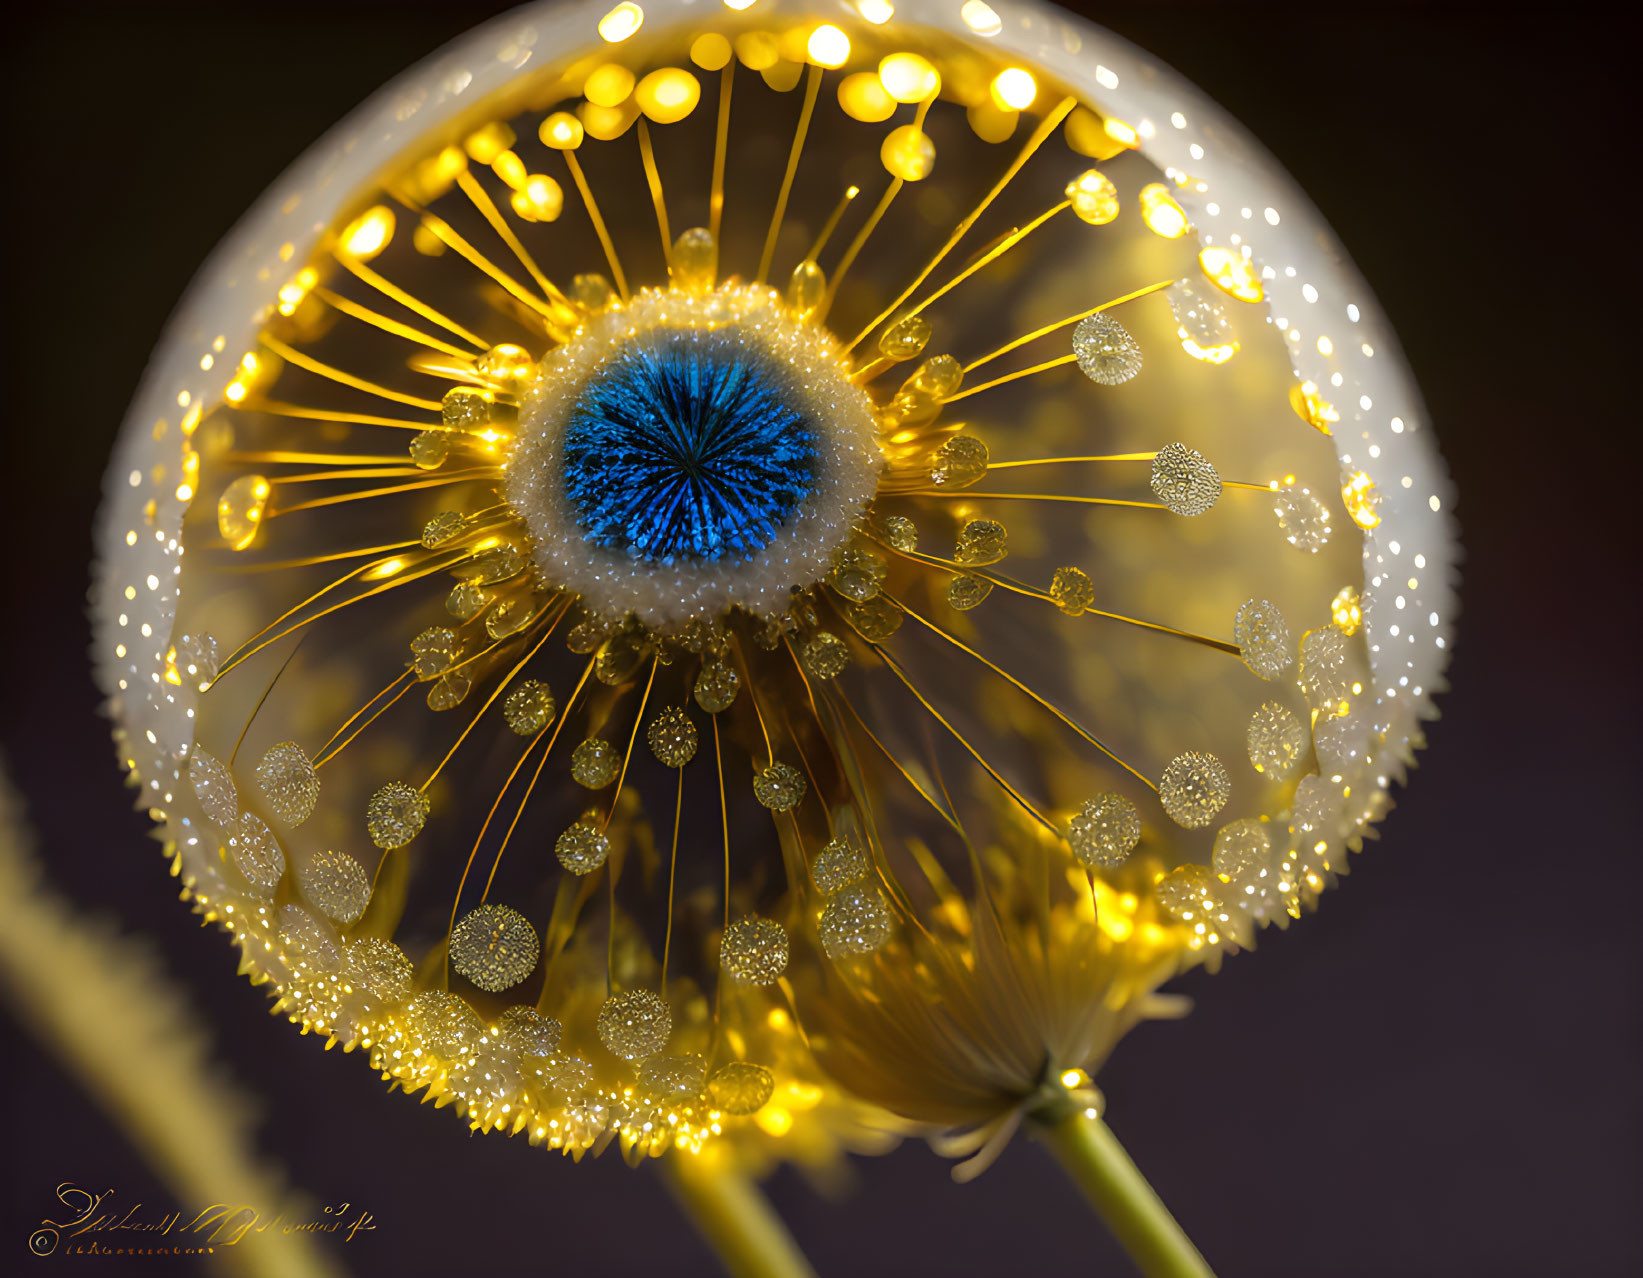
(763, 467)
(882, 518)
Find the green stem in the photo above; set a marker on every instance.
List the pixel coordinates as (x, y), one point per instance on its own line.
(735, 1218)
(1120, 1194)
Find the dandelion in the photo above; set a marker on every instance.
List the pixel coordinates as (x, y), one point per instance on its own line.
(757, 536)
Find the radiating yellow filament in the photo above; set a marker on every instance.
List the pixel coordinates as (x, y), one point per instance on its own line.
(394, 293)
(482, 201)
(1046, 127)
(721, 144)
(240, 740)
(1012, 377)
(1017, 683)
(622, 776)
(564, 717)
(1015, 795)
(321, 757)
(1056, 461)
(278, 457)
(293, 356)
(1064, 497)
(855, 247)
(402, 471)
(654, 179)
(941, 810)
(342, 745)
(310, 561)
(456, 477)
(747, 679)
(364, 313)
(811, 89)
(489, 816)
(1060, 324)
(1016, 587)
(433, 564)
(988, 258)
(832, 223)
(276, 409)
(724, 820)
(599, 228)
(672, 875)
(500, 688)
(470, 254)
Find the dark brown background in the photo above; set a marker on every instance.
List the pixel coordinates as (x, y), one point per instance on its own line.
(1437, 1074)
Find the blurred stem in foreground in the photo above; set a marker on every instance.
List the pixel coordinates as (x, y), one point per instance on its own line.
(734, 1216)
(1120, 1194)
(97, 1002)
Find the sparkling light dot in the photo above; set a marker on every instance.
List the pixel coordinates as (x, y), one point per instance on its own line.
(1014, 89)
(828, 46)
(621, 22)
(908, 78)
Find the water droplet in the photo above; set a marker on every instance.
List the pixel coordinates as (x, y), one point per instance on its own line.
(526, 1032)
(288, 782)
(380, 968)
(959, 462)
(442, 528)
(434, 651)
(780, 787)
(1262, 637)
(854, 921)
(1073, 591)
(695, 261)
(214, 788)
(1303, 519)
(673, 1079)
(1325, 674)
(430, 449)
(1094, 197)
(741, 1087)
(1275, 739)
(337, 884)
(256, 854)
(966, 591)
(905, 338)
(716, 686)
(529, 708)
(900, 532)
(444, 1022)
(1106, 352)
(826, 655)
(240, 510)
(1188, 893)
(857, 573)
(395, 815)
(594, 763)
(634, 1024)
(981, 541)
(1202, 324)
(1184, 480)
(449, 690)
(494, 946)
(1194, 788)
(672, 737)
(1105, 831)
(582, 848)
(754, 950)
(838, 865)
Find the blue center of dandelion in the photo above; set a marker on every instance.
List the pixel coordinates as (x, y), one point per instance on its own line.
(673, 452)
